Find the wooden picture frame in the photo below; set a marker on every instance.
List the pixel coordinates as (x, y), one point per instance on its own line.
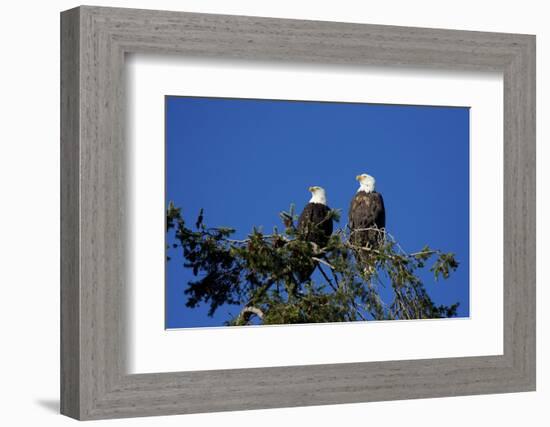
(94, 382)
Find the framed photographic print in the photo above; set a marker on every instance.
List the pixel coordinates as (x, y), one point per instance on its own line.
(261, 213)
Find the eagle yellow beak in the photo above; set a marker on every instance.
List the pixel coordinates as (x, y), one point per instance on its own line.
(311, 189)
(358, 177)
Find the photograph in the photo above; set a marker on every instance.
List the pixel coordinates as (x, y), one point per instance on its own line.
(294, 212)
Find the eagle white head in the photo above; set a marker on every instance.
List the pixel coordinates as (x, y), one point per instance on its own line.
(367, 183)
(318, 195)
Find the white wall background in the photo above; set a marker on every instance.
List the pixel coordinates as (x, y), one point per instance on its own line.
(29, 212)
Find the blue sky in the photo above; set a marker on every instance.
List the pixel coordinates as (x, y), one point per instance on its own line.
(245, 160)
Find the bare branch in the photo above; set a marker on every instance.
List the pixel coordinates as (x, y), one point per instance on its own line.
(322, 261)
(253, 310)
(334, 288)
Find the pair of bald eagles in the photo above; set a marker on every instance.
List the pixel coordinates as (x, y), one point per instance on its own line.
(367, 216)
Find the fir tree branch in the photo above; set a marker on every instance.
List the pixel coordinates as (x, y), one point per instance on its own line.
(262, 274)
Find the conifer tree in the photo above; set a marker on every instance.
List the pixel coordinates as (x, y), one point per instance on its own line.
(259, 274)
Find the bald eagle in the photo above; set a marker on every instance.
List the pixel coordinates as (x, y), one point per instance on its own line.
(314, 223)
(367, 215)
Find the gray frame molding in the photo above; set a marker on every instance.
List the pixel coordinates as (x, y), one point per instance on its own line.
(94, 41)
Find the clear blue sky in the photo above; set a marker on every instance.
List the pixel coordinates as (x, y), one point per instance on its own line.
(244, 161)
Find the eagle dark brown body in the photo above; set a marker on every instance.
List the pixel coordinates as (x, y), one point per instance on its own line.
(367, 212)
(314, 224)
